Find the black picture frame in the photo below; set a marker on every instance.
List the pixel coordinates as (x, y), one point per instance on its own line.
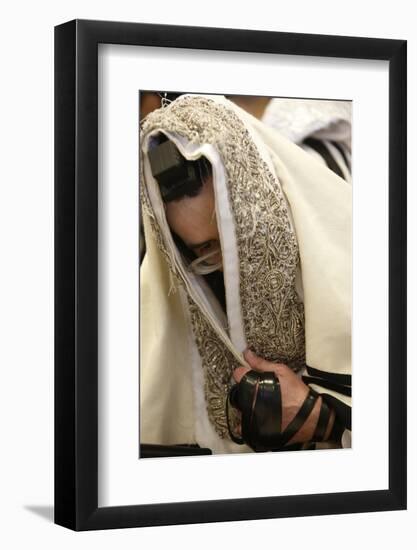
(76, 272)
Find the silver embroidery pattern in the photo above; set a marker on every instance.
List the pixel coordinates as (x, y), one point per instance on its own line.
(273, 315)
(218, 364)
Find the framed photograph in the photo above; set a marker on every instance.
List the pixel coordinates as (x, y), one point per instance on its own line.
(230, 275)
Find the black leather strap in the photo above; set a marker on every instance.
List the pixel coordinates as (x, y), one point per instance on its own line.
(230, 399)
(322, 422)
(300, 417)
(267, 414)
(247, 390)
(243, 397)
(337, 431)
(258, 397)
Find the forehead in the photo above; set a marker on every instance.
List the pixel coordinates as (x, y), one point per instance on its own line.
(193, 218)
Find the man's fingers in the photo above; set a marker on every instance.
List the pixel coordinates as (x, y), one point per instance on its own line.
(239, 372)
(257, 363)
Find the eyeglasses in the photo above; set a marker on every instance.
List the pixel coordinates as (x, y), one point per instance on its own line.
(200, 266)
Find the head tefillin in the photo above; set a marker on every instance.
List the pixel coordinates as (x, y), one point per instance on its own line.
(176, 176)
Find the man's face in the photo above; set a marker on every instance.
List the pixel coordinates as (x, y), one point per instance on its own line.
(193, 219)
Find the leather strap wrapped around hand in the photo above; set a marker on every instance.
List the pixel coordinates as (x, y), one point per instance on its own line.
(258, 397)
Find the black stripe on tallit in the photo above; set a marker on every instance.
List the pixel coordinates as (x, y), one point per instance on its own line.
(322, 150)
(342, 379)
(342, 152)
(344, 390)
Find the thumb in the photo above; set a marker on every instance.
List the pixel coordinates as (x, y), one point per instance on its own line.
(239, 373)
(257, 363)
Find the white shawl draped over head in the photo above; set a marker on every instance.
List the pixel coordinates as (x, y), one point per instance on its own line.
(284, 222)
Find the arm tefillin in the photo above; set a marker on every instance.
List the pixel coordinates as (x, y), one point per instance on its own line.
(258, 397)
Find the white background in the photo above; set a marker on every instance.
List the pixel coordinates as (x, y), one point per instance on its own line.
(26, 300)
(122, 478)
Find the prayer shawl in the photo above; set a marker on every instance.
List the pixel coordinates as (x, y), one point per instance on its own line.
(321, 127)
(284, 221)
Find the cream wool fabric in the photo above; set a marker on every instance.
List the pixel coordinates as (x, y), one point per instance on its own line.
(321, 205)
(166, 395)
(173, 405)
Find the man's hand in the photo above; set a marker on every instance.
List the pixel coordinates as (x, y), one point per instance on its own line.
(293, 394)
